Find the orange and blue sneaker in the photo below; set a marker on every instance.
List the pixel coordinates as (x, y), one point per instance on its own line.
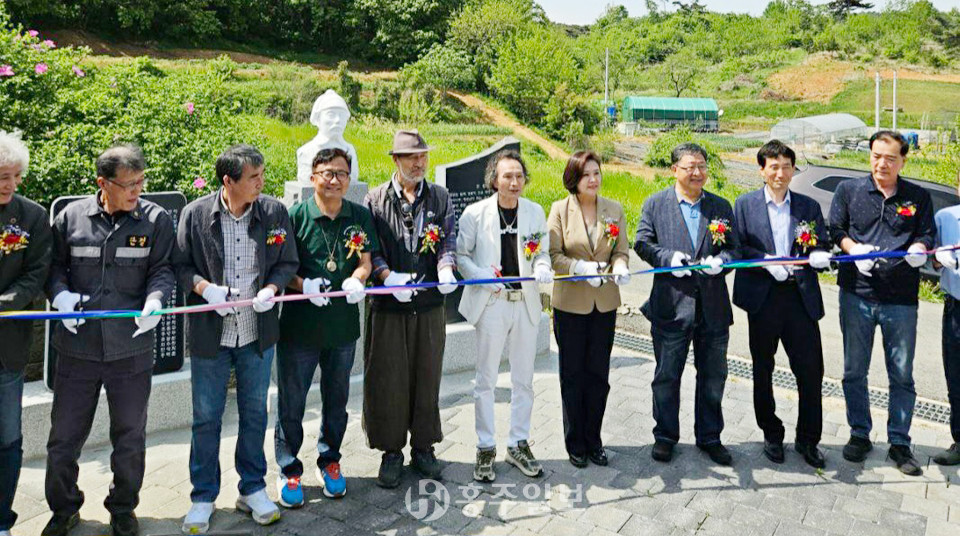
(334, 485)
(290, 491)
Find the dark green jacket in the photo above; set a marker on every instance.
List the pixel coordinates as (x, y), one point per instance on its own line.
(23, 271)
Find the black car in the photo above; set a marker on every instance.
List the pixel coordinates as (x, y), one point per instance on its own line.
(819, 182)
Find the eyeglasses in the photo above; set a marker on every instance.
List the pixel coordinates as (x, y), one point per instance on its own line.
(129, 187)
(329, 175)
(690, 169)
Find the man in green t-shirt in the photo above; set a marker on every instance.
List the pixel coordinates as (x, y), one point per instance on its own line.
(335, 239)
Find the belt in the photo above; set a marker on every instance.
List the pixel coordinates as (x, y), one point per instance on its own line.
(510, 295)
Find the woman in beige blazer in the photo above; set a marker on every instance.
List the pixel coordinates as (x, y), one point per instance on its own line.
(504, 235)
(587, 237)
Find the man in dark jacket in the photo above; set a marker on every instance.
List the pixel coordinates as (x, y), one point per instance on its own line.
(783, 303)
(405, 333)
(25, 242)
(235, 244)
(678, 225)
(111, 250)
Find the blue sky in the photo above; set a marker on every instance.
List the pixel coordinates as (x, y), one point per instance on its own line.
(585, 12)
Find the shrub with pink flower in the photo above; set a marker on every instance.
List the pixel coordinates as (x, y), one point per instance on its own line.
(189, 107)
(6, 70)
(33, 33)
(78, 71)
(49, 44)
(41, 68)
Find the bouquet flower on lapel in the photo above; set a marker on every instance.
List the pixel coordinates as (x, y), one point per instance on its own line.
(718, 231)
(806, 234)
(611, 231)
(907, 210)
(531, 245)
(432, 235)
(356, 241)
(13, 238)
(277, 236)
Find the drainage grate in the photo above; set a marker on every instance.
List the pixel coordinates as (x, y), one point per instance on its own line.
(743, 368)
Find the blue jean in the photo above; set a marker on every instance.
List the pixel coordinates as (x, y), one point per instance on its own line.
(859, 319)
(951, 361)
(11, 443)
(209, 377)
(710, 359)
(296, 365)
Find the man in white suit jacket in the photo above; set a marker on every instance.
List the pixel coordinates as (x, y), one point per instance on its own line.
(504, 235)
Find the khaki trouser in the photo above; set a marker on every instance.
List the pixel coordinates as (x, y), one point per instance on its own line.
(402, 366)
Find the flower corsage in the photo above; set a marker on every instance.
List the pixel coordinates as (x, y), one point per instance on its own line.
(718, 231)
(531, 245)
(356, 241)
(13, 238)
(432, 235)
(806, 235)
(277, 236)
(611, 230)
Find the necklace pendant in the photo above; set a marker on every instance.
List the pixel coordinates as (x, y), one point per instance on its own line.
(331, 266)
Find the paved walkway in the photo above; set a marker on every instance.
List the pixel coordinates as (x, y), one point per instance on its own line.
(633, 495)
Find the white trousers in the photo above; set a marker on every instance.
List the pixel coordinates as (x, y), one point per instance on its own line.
(504, 326)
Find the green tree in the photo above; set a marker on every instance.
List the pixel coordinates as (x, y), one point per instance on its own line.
(406, 29)
(480, 28)
(443, 67)
(841, 8)
(681, 72)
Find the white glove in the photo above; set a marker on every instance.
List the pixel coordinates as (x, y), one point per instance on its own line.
(490, 273)
(146, 322)
(66, 302)
(448, 281)
(916, 255)
(864, 265)
(216, 294)
(398, 279)
(583, 267)
(715, 264)
(621, 274)
(948, 258)
(678, 260)
(778, 271)
(543, 274)
(316, 286)
(820, 259)
(355, 288)
(262, 303)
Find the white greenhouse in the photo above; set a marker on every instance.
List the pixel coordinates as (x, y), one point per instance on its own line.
(819, 129)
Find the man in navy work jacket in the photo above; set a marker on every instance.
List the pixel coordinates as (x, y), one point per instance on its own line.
(881, 212)
(783, 303)
(682, 225)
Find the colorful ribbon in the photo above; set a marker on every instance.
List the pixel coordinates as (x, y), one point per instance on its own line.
(202, 308)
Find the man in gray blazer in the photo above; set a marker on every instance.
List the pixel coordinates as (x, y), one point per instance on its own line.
(682, 225)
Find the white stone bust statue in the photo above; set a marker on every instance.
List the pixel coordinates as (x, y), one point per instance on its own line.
(330, 115)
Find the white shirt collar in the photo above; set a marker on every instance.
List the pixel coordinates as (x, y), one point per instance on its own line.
(769, 198)
(226, 209)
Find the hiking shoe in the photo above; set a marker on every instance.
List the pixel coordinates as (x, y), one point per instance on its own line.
(61, 525)
(718, 453)
(856, 449)
(197, 520)
(904, 459)
(290, 491)
(951, 456)
(334, 484)
(391, 467)
(425, 462)
(522, 458)
(260, 507)
(483, 470)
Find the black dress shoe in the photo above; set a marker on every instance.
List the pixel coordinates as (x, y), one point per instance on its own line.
(774, 451)
(718, 453)
(904, 459)
(811, 454)
(599, 457)
(856, 449)
(124, 524)
(60, 525)
(662, 451)
(578, 460)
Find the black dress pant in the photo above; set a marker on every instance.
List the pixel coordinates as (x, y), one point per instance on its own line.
(783, 318)
(585, 343)
(76, 390)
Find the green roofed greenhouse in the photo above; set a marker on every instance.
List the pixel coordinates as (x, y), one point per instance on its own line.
(698, 114)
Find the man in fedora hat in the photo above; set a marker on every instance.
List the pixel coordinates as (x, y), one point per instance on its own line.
(405, 331)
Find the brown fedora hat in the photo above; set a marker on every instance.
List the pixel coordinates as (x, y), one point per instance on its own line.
(408, 142)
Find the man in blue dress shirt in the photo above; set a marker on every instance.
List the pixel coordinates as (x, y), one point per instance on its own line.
(948, 234)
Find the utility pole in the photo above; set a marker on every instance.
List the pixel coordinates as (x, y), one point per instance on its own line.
(876, 105)
(894, 99)
(606, 78)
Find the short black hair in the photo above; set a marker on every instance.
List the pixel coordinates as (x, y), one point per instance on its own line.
(891, 135)
(230, 163)
(775, 149)
(127, 156)
(490, 177)
(684, 149)
(324, 156)
(576, 167)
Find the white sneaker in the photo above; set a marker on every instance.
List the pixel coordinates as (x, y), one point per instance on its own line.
(5, 533)
(197, 520)
(260, 507)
